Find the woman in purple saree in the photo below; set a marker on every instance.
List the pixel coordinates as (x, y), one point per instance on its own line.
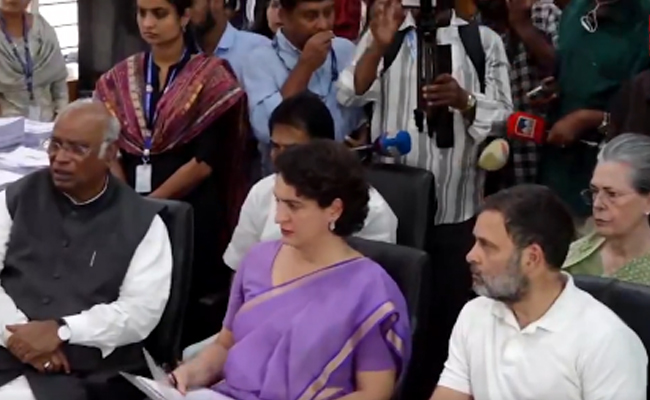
(309, 317)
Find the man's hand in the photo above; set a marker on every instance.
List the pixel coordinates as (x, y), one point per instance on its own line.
(519, 12)
(317, 49)
(33, 340)
(548, 96)
(52, 363)
(567, 130)
(385, 21)
(445, 92)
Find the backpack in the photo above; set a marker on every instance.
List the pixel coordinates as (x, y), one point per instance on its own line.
(470, 36)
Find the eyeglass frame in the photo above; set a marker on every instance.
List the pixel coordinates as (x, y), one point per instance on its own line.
(590, 195)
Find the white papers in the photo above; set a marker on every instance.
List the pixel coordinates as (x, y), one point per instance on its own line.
(160, 388)
(24, 158)
(36, 132)
(12, 132)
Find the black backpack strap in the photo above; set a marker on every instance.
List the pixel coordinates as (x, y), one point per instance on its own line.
(393, 49)
(470, 35)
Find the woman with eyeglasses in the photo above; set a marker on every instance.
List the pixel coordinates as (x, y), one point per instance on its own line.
(183, 136)
(620, 198)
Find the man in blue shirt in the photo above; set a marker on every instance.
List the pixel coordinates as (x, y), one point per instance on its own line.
(216, 35)
(304, 55)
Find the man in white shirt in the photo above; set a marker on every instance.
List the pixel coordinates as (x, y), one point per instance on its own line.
(533, 335)
(394, 92)
(85, 269)
(297, 120)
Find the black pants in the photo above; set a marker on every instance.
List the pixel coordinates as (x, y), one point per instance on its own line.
(452, 286)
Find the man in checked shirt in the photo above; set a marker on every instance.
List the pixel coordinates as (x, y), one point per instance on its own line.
(529, 30)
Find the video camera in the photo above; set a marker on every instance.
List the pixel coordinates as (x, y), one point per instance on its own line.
(433, 59)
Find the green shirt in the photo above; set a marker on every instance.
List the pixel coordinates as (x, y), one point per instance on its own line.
(584, 259)
(592, 67)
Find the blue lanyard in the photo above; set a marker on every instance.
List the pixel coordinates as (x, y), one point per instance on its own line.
(334, 70)
(151, 114)
(28, 63)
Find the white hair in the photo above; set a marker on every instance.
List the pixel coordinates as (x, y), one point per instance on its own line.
(634, 150)
(111, 127)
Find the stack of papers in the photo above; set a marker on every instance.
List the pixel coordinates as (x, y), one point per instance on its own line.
(24, 160)
(12, 132)
(37, 132)
(159, 387)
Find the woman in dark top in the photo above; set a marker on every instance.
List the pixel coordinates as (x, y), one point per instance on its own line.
(183, 137)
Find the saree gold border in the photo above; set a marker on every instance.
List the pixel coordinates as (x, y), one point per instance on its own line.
(283, 289)
(328, 392)
(136, 96)
(346, 350)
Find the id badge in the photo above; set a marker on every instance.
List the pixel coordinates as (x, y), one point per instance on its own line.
(34, 113)
(143, 178)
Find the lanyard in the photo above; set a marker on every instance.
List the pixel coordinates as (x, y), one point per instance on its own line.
(28, 63)
(334, 69)
(150, 114)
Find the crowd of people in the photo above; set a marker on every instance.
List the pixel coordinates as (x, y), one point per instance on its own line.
(257, 127)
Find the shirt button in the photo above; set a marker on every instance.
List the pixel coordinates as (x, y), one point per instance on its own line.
(56, 275)
(66, 243)
(46, 300)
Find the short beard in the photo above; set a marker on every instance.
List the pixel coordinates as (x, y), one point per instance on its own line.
(509, 287)
(206, 26)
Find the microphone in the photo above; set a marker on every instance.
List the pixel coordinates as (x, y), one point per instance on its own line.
(527, 127)
(494, 156)
(389, 147)
(531, 128)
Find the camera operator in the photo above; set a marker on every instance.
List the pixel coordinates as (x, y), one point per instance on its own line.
(459, 182)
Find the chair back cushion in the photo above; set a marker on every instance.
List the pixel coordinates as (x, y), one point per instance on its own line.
(411, 270)
(164, 343)
(410, 193)
(630, 301)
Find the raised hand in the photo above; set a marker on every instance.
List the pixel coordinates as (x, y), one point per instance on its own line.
(316, 49)
(385, 20)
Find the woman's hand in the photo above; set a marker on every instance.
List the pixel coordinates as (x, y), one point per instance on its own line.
(182, 378)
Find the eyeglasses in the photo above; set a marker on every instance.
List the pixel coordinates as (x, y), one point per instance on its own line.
(77, 150)
(607, 196)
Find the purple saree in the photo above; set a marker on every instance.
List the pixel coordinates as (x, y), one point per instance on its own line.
(306, 339)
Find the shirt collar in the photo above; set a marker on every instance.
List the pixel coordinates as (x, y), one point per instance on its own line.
(83, 203)
(561, 312)
(227, 38)
(285, 44)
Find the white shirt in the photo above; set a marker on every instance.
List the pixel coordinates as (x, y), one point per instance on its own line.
(257, 221)
(579, 350)
(459, 182)
(138, 308)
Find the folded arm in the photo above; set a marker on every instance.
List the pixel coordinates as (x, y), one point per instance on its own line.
(495, 104)
(189, 176)
(141, 302)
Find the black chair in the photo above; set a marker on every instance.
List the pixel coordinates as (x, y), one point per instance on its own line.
(164, 343)
(411, 193)
(630, 301)
(411, 270)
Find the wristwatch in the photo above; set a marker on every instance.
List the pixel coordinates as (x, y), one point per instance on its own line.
(64, 331)
(471, 103)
